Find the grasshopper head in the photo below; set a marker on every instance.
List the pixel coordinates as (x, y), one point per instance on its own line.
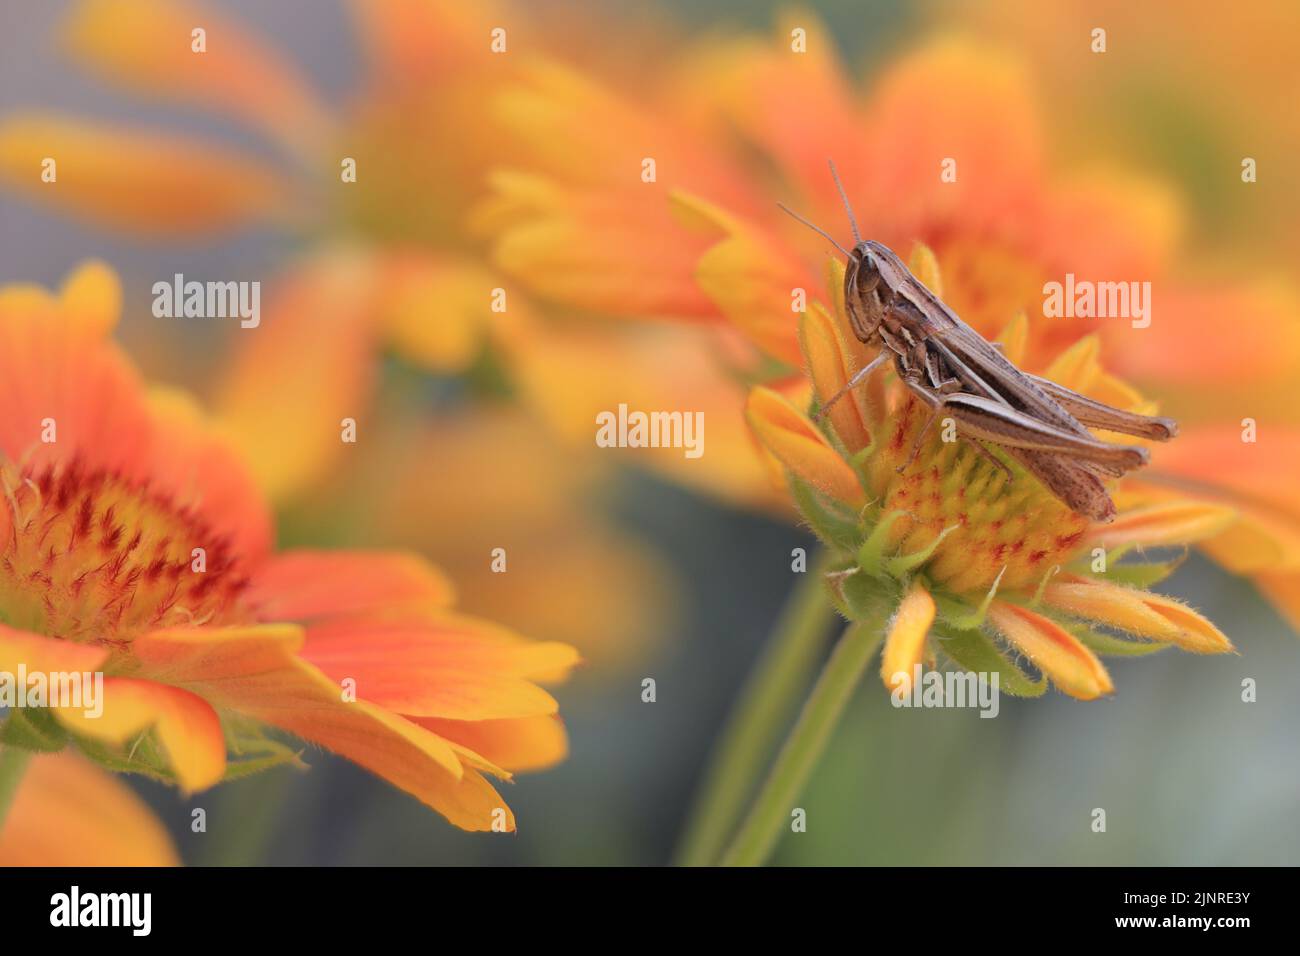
(865, 291)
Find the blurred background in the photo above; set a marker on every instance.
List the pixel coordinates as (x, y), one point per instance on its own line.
(653, 579)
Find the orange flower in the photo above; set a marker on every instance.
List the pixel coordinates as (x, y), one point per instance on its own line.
(407, 254)
(134, 543)
(404, 255)
(383, 262)
(1207, 93)
(980, 568)
(68, 812)
(1003, 223)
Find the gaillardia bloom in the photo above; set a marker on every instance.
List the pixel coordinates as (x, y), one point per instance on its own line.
(966, 563)
(366, 193)
(1017, 216)
(133, 542)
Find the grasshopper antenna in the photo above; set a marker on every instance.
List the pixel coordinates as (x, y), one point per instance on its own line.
(817, 229)
(857, 236)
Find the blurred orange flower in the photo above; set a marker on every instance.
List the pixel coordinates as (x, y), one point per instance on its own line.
(384, 261)
(1002, 226)
(136, 544)
(68, 812)
(1198, 93)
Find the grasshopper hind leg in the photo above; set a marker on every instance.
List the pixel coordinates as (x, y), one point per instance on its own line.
(998, 463)
(944, 389)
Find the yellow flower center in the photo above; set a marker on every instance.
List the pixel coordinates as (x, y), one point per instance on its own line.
(997, 522)
(92, 557)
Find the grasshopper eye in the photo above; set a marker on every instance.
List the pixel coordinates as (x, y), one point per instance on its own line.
(866, 275)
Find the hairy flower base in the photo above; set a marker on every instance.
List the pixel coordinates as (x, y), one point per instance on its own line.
(998, 522)
(93, 557)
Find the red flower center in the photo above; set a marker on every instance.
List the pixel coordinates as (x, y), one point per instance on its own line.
(90, 556)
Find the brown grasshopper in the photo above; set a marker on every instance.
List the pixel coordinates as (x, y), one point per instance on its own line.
(956, 372)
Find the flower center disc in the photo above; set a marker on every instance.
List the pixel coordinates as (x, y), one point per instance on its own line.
(89, 556)
(1012, 527)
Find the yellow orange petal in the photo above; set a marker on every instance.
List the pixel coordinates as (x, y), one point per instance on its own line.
(749, 279)
(104, 420)
(926, 268)
(1055, 651)
(1108, 222)
(950, 98)
(439, 313)
(309, 585)
(593, 258)
(196, 460)
(1111, 604)
(1243, 475)
(1015, 338)
(831, 363)
(303, 370)
(146, 45)
(411, 42)
(1191, 352)
(905, 642)
(571, 376)
(1283, 590)
(68, 812)
(36, 652)
(139, 181)
(1195, 632)
(186, 725)
(1159, 525)
(447, 666)
(798, 109)
(799, 446)
(526, 743)
(91, 298)
(256, 671)
(1078, 366)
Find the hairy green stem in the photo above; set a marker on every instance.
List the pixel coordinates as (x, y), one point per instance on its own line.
(746, 744)
(805, 746)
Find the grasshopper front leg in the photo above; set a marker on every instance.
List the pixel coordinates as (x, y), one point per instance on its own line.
(858, 378)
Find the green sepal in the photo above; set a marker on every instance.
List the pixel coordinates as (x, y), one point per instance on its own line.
(904, 564)
(250, 749)
(1109, 645)
(865, 597)
(33, 729)
(1143, 574)
(975, 651)
(871, 556)
(142, 755)
(961, 615)
(273, 754)
(835, 526)
(836, 575)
